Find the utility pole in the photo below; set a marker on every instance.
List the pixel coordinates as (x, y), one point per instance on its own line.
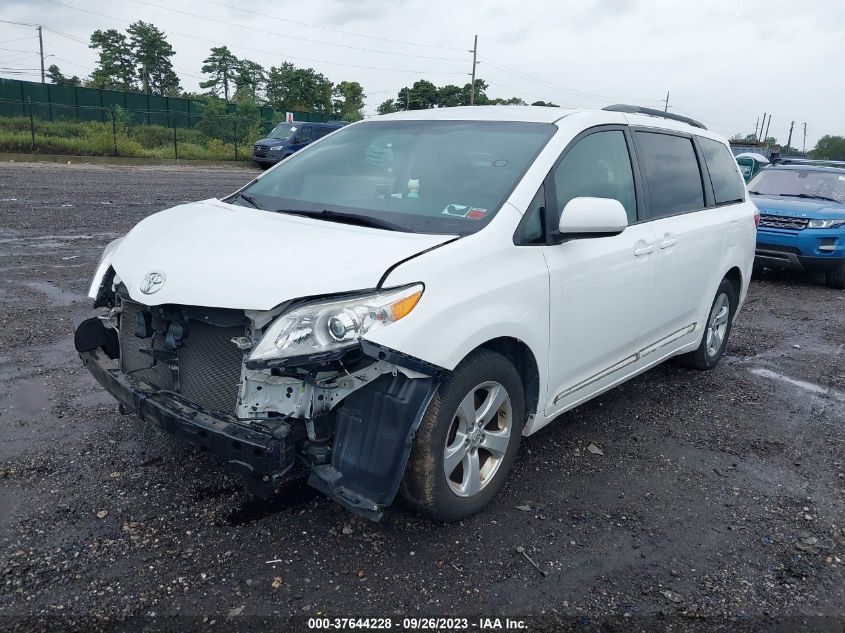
(789, 140)
(761, 127)
(474, 64)
(41, 46)
(766, 135)
(804, 149)
(756, 125)
(666, 107)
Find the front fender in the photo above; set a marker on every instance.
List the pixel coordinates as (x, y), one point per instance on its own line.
(103, 266)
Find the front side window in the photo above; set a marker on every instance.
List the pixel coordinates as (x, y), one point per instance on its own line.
(598, 166)
(724, 174)
(800, 183)
(442, 177)
(673, 179)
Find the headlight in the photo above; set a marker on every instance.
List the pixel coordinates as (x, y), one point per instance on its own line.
(276, 148)
(325, 326)
(826, 224)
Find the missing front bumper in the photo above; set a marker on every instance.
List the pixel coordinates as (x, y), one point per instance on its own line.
(363, 457)
(262, 455)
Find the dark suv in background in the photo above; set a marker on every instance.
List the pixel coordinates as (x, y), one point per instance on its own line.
(287, 138)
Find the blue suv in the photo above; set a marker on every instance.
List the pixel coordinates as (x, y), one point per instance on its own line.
(287, 138)
(802, 217)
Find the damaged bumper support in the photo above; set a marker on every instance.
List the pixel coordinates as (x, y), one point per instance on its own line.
(371, 438)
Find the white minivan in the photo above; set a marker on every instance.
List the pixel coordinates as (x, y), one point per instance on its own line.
(392, 308)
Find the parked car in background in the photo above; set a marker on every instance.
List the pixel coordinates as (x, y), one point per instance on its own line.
(441, 283)
(802, 217)
(287, 138)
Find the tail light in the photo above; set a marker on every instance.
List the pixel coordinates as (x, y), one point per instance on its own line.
(757, 218)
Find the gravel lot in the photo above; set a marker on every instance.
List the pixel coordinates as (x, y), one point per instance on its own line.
(717, 502)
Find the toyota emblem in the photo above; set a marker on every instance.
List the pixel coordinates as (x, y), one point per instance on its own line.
(152, 282)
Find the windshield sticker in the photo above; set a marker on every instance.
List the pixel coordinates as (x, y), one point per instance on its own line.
(464, 211)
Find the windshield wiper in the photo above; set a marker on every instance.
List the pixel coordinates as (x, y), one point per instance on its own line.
(756, 193)
(809, 195)
(249, 199)
(346, 218)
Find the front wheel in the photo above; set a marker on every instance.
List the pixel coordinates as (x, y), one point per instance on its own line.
(468, 439)
(717, 329)
(836, 278)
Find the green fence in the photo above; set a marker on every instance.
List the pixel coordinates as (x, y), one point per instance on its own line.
(52, 102)
(51, 119)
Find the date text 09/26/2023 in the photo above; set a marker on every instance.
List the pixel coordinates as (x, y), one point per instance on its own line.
(417, 624)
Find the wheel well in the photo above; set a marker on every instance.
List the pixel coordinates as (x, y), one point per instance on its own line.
(523, 359)
(735, 277)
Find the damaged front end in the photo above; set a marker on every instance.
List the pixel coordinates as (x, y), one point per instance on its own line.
(266, 391)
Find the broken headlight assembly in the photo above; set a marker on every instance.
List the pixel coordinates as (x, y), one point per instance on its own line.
(333, 325)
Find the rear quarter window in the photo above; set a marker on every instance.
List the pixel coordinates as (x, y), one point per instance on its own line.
(673, 179)
(724, 173)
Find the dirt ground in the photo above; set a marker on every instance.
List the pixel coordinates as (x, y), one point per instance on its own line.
(717, 501)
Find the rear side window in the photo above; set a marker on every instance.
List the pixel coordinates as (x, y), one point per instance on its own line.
(673, 180)
(306, 134)
(724, 174)
(597, 166)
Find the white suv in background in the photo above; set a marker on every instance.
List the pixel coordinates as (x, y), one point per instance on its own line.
(393, 307)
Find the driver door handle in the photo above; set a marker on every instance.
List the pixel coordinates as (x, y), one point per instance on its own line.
(668, 242)
(644, 250)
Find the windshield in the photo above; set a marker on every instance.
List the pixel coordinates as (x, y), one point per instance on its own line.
(798, 182)
(282, 131)
(446, 177)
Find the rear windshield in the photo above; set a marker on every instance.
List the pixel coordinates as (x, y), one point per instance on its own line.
(800, 183)
(447, 177)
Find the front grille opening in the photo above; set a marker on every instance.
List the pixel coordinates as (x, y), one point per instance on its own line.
(783, 222)
(208, 364)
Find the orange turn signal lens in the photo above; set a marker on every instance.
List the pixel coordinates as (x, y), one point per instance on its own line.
(403, 307)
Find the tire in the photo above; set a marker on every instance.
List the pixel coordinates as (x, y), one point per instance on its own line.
(836, 278)
(446, 428)
(717, 329)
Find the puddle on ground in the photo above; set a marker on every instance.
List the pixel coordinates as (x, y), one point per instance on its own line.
(26, 400)
(56, 295)
(802, 384)
(257, 508)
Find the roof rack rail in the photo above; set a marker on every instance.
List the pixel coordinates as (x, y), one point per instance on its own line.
(810, 162)
(632, 109)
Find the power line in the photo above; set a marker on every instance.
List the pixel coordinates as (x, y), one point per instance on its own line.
(18, 23)
(574, 92)
(19, 39)
(256, 50)
(288, 35)
(326, 28)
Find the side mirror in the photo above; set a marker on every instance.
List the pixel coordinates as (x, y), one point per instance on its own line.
(592, 217)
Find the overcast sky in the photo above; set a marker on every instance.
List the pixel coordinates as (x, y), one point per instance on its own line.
(723, 61)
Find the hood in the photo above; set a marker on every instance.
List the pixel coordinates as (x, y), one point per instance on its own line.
(267, 142)
(798, 207)
(215, 254)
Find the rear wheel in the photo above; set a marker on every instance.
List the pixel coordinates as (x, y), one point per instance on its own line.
(468, 439)
(717, 329)
(836, 278)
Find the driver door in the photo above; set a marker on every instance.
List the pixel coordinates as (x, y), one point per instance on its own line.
(600, 287)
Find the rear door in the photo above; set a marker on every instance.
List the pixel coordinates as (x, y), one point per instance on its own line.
(690, 233)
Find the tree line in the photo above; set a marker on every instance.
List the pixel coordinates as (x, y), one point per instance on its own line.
(140, 60)
(828, 147)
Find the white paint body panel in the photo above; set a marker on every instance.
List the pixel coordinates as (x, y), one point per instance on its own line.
(592, 312)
